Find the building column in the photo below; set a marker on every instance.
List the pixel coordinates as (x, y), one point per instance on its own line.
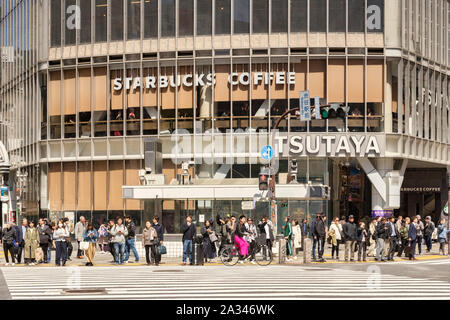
(388, 99)
(383, 166)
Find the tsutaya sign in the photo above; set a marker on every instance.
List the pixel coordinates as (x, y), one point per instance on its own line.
(324, 145)
(189, 80)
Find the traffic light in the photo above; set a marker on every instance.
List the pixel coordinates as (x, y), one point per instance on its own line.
(334, 111)
(263, 181)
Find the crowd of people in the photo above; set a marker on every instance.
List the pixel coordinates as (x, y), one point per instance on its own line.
(382, 239)
(35, 244)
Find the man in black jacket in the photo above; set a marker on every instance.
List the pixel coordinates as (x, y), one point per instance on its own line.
(349, 231)
(189, 232)
(393, 238)
(382, 235)
(8, 237)
(319, 235)
(428, 233)
(160, 231)
(45, 238)
(129, 245)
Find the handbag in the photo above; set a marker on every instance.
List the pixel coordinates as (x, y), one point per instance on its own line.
(213, 237)
(84, 245)
(161, 249)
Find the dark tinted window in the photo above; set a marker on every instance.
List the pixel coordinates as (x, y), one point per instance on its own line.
(318, 16)
(134, 20)
(55, 23)
(336, 15)
(85, 31)
(101, 8)
(116, 20)
(186, 18)
(223, 17)
(299, 20)
(260, 16)
(151, 19)
(241, 22)
(355, 16)
(167, 18)
(279, 15)
(204, 17)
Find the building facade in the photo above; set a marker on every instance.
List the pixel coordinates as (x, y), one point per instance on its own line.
(84, 82)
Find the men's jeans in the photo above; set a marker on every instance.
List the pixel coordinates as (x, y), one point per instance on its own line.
(315, 241)
(392, 246)
(321, 247)
(419, 244)
(49, 253)
(380, 248)
(9, 248)
(187, 250)
(119, 249)
(413, 246)
(350, 246)
(362, 247)
(130, 247)
(44, 247)
(428, 242)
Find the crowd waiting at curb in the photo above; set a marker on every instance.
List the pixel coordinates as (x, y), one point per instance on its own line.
(383, 238)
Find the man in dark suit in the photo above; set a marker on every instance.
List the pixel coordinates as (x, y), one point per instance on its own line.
(412, 237)
(393, 238)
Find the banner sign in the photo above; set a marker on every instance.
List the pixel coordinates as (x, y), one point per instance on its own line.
(382, 213)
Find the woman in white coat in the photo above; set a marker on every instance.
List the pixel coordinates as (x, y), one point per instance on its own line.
(336, 237)
(297, 233)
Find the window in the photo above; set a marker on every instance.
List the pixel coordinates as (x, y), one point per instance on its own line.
(204, 17)
(318, 16)
(101, 8)
(241, 23)
(355, 16)
(56, 23)
(85, 31)
(336, 16)
(223, 16)
(167, 18)
(261, 16)
(186, 18)
(151, 19)
(70, 23)
(279, 15)
(116, 20)
(134, 20)
(298, 15)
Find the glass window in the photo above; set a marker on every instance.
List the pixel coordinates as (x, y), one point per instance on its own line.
(298, 15)
(134, 20)
(336, 16)
(355, 16)
(101, 8)
(279, 15)
(318, 16)
(85, 31)
(151, 19)
(56, 23)
(116, 20)
(261, 16)
(223, 17)
(167, 18)
(204, 17)
(186, 18)
(70, 22)
(241, 23)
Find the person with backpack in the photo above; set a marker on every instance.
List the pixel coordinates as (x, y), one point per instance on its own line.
(8, 238)
(382, 235)
(403, 234)
(442, 236)
(428, 233)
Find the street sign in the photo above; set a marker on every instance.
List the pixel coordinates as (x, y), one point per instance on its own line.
(267, 153)
(317, 107)
(305, 110)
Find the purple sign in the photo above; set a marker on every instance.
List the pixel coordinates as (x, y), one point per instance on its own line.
(382, 213)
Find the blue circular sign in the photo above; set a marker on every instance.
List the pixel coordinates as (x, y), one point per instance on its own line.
(267, 153)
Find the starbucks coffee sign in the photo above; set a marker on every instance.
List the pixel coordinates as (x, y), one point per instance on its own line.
(325, 145)
(190, 80)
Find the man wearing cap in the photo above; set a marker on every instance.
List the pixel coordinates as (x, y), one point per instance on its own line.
(349, 231)
(428, 233)
(419, 238)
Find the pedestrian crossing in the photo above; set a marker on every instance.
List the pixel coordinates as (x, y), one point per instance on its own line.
(216, 282)
(427, 262)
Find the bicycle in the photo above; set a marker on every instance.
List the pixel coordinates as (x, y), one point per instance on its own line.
(230, 255)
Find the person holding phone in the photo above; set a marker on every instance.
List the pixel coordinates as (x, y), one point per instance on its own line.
(59, 236)
(119, 233)
(91, 236)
